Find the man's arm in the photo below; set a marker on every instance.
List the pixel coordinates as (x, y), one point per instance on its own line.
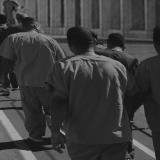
(6, 66)
(7, 57)
(60, 53)
(58, 106)
(7, 49)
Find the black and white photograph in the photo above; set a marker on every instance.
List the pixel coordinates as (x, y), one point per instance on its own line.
(79, 79)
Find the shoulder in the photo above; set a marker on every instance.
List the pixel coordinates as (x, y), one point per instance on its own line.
(150, 61)
(111, 61)
(14, 29)
(3, 29)
(67, 60)
(14, 36)
(148, 64)
(47, 38)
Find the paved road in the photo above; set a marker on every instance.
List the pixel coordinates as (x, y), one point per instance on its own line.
(13, 134)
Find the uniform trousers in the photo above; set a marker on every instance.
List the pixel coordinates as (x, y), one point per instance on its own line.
(35, 106)
(115, 151)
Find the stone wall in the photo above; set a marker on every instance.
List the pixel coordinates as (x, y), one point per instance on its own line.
(133, 18)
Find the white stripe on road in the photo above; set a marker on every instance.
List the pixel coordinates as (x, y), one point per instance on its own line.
(144, 148)
(14, 135)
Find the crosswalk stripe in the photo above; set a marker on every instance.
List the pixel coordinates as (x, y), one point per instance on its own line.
(144, 148)
(14, 135)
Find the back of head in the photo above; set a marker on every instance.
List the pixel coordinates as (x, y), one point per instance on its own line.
(3, 19)
(115, 40)
(80, 38)
(20, 17)
(11, 4)
(29, 23)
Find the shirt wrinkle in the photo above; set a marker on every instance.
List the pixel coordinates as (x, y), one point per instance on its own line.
(34, 54)
(95, 101)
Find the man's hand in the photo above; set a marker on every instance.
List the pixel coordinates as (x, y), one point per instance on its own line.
(58, 141)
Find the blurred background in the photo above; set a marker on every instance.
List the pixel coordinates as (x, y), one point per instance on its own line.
(135, 19)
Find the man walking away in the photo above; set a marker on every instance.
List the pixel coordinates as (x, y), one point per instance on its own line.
(88, 101)
(32, 54)
(116, 44)
(147, 79)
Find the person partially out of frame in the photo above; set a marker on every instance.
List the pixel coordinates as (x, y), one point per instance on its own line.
(31, 54)
(148, 82)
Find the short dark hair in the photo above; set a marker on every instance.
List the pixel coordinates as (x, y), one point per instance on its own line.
(3, 19)
(28, 21)
(156, 35)
(116, 40)
(21, 16)
(80, 37)
(14, 4)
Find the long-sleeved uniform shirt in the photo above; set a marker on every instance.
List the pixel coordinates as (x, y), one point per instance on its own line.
(94, 87)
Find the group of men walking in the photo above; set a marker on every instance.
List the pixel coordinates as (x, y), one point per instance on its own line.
(90, 96)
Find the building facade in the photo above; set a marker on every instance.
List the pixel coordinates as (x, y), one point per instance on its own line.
(135, 19)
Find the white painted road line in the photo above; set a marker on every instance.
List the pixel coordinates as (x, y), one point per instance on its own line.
(144, 148)
(14, 135)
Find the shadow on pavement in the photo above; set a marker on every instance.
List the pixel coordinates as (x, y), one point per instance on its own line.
(9, 108)
(8, 100)
(142, 130)
(24, 145)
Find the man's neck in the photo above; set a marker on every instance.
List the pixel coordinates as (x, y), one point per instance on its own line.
(90, 52)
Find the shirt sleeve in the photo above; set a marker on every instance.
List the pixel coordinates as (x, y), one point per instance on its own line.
(142, 77)
(7, 50)
(55, 81)
(60, 53)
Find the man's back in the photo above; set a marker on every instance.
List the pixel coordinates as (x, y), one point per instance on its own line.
(34, 54)
(148, 79)
(95, 85)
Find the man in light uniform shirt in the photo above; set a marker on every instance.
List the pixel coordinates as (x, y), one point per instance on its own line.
(88, 101)
(33, 55)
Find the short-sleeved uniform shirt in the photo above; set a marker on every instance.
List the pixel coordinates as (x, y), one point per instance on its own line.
(94, 87)
(34, 54)
(148, 81)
